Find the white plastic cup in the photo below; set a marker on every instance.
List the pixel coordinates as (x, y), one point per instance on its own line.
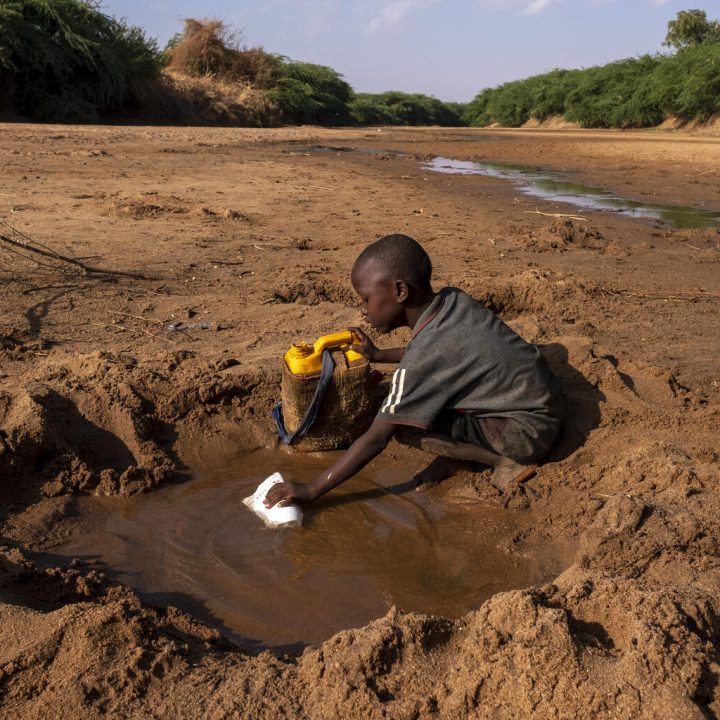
(279, 515)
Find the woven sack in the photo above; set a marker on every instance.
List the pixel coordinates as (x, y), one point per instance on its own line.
(345, 412)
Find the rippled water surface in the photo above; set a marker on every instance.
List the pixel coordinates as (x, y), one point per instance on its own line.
(370, 544)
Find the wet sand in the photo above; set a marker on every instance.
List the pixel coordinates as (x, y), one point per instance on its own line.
(114, 388)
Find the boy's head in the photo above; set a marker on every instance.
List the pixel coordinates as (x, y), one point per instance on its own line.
(391, 276)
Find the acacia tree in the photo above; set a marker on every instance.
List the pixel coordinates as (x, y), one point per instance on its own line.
(690, 28)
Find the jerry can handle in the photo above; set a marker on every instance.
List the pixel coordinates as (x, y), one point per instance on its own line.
(345, 337)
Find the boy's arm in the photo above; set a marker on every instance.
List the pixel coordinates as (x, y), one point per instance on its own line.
(366, 347)
(389, 355)
(355, 458)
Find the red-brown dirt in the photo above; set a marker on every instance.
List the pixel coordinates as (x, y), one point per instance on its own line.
(246, 238)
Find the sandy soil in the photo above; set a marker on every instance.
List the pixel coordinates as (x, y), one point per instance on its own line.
(246, 238)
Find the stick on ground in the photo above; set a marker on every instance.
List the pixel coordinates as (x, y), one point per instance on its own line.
(87, 269)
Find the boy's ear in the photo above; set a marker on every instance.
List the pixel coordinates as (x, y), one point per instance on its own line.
(402, 291)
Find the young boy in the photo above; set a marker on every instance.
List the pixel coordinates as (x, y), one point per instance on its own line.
(467, 388)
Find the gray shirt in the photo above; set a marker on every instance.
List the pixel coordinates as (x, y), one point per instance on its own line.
(462, 357)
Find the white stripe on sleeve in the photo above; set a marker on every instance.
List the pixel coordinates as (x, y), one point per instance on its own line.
(400, 390)
(386, 404)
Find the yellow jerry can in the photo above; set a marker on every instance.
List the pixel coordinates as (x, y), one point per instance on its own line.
(302, 359)
(341, 411)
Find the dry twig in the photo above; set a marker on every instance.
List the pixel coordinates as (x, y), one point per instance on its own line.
(28, 244)
(555, 215)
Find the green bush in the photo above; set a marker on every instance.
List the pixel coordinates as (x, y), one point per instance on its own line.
(611, 96)
(309, 93)
(64, 60)
(398, 108)
(367, 109)
(690, 82)
(514, 103)
(637, 92)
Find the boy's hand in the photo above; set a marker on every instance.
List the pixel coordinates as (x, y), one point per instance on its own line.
(366, 347)
(287, 492)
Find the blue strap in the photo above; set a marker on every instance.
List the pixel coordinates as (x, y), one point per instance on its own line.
(326, 373)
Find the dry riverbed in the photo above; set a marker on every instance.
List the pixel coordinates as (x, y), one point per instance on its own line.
(116, 386)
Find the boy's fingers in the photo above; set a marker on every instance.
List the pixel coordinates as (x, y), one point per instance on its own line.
(357, 331)
(274, 496)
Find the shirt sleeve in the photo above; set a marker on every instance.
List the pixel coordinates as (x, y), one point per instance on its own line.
(414, 398)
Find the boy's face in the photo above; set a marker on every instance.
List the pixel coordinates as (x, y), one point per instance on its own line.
(381, 296)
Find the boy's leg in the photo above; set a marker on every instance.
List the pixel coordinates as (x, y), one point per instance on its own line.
(505, 470)
(440, 468)
(454, 456)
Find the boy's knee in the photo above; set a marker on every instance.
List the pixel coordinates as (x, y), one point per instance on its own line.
(410, 436)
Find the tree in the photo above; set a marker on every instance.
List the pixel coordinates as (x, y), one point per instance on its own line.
(64, 60)
(310, 93)
(690, 28)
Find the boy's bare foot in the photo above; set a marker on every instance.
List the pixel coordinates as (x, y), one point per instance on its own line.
(507, 472)
(438, 470)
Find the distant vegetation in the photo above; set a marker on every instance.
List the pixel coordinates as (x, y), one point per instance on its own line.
(399, 108)
(637, 92)
(308, 93)
(297, 92)
(65, 60)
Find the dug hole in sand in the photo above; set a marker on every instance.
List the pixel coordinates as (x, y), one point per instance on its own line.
(106, 412)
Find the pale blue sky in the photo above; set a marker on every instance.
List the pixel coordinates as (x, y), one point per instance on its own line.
(447, 48)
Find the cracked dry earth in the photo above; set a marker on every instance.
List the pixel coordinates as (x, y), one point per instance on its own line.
(115, 386)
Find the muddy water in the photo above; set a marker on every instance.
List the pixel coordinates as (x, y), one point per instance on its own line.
(370, 544)
(539, 182)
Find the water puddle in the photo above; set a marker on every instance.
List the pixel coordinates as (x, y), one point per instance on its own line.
(540, 183)
(370, 544)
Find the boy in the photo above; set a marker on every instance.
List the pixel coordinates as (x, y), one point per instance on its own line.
(467, 388)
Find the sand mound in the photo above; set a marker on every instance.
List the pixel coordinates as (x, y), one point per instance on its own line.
(564, 234)
(90, 432)
(105, 428)
(532, 292)
(632, 517)
(313, 292)
(80, 647)
(554, 122)
(582, 645)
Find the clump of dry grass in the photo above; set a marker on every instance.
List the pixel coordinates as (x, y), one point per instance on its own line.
(210, 78)
(209, 47)
(209, 99)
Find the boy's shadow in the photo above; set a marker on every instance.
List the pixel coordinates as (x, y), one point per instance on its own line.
(582, 403)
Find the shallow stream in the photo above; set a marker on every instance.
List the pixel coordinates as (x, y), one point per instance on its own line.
(540, 182)
(545, 184)
(369, 544)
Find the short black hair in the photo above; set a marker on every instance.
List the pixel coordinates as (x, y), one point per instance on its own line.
(402, 257)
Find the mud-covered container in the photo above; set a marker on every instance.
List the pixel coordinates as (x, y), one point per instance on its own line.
(345, 410)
